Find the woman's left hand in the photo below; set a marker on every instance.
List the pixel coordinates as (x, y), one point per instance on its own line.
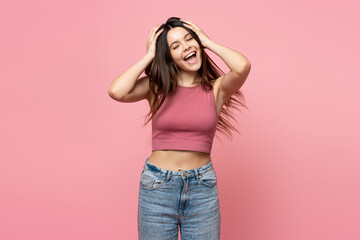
(202, 36)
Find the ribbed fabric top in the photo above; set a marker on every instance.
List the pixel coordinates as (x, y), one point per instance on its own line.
(186, 121)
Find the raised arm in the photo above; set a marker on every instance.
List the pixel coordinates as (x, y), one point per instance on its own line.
(239, 65)
(126, 87)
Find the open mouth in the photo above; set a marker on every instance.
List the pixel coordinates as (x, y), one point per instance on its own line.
(191, 58)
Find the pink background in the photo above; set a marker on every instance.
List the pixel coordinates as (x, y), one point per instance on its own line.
(71, 157)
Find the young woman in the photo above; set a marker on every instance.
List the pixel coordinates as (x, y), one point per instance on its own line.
(189, 99)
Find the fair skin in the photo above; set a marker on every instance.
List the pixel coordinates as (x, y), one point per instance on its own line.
(128, 87)
(181, 45)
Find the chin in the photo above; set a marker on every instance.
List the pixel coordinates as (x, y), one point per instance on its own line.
(191, 69)
(194, 68)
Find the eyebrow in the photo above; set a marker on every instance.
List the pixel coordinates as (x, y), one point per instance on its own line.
(178, 41)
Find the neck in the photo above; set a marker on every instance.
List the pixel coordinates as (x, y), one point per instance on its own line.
(187, 78)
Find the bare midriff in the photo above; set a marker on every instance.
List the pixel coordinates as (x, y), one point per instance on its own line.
(179, 160)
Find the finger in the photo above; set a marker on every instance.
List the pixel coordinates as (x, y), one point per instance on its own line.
(158, 33)
(152, 32)
(190, 26)
(154, 35)
(195, 26)
(191, 23)
(155, 27)
(187, 23)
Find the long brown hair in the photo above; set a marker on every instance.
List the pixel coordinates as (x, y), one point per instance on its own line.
(162, 73)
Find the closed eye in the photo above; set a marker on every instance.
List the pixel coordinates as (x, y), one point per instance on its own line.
(189, 39)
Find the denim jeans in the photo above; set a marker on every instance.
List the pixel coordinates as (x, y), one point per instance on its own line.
(186, 199)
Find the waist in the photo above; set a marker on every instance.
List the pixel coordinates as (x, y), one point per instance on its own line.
(178, 160)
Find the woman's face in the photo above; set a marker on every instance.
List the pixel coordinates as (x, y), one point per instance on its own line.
(184, 49)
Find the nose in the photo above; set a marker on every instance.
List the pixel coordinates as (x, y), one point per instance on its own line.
(186, 46)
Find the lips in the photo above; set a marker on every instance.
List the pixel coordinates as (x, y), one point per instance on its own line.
(190, 54)
(192, 59)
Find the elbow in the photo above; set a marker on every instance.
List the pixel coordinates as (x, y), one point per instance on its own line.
(248, 67)
(113, 94)
(244, 68)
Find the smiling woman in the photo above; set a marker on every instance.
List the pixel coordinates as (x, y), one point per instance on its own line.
(168, 69)
(189, 98)
(184, 50)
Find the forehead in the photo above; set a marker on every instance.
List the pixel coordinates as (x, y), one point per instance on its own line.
(176, 34)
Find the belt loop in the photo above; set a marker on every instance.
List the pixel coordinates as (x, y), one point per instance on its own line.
(196, 174)
(168, 173)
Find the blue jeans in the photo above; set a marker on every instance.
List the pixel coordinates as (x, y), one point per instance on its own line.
(185, 199)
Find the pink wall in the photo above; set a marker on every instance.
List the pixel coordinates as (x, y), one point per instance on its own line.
(71, 157)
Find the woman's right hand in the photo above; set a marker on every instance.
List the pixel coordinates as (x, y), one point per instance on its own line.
(151, 42)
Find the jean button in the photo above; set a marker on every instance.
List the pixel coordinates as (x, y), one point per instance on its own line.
(183, 174)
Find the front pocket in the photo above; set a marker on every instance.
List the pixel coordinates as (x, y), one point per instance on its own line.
(149, 181)
(209, 178)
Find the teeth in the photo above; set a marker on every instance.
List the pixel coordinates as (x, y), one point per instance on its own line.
(193, 53)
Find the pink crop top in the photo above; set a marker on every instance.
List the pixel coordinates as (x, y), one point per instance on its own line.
(187, 120)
